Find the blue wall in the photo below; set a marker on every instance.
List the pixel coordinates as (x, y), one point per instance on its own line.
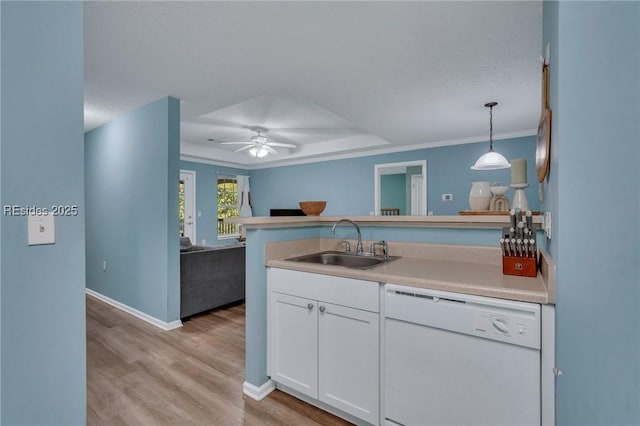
(256, 297)
(596, 106)
(43, 354)
(347, 184)
(132, 174)
(393, 192)
(206, 199)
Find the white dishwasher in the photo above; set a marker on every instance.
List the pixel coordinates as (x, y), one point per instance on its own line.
(455, 359)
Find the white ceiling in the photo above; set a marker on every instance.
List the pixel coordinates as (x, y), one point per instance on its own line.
(335, 78)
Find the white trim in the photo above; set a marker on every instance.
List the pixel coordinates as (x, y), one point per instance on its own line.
(377, 173)
(166, 326)
(202, 160)
(258, 393)
(548, 365)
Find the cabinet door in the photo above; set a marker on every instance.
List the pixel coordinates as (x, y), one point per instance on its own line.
(293, 325)
(349, 360)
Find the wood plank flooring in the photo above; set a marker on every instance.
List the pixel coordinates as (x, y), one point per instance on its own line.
(138, 374)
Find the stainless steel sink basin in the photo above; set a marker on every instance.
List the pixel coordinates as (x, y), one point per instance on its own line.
(343, 259)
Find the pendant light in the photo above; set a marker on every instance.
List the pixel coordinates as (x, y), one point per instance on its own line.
(491, 160)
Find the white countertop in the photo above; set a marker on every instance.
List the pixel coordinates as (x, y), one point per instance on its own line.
(461, 269)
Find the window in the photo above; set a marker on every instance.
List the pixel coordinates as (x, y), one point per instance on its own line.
(186, 204)
(181, 206)
(227, 206)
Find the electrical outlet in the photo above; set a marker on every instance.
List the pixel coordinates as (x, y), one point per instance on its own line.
(104, 265)
(447, 197)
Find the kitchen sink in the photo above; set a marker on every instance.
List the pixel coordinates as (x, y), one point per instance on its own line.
(348, 260)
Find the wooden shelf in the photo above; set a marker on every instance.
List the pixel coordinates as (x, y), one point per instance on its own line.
(489, 213)
(478, 221)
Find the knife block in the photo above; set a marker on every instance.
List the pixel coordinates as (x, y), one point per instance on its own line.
(521, 266)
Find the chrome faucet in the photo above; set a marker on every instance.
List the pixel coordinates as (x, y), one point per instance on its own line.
(385, 248)
(359, 246)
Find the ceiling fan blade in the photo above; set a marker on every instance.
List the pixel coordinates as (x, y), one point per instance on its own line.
(236, 143)
(286, 145)
(276, 138)
(243, 148)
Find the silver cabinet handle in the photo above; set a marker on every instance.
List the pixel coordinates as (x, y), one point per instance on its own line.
(310, 306)
(322, 308)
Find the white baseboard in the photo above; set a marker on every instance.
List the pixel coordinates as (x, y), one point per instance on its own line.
(258, 393)
(136, 313)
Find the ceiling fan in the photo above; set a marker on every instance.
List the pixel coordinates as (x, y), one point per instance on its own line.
(259, 146)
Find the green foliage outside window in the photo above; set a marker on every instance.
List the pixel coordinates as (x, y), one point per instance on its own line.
(227, 206)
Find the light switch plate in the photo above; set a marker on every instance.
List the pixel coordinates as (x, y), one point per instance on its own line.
(546, 224)
(40, 229)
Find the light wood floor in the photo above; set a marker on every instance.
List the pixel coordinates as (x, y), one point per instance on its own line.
(138, 374)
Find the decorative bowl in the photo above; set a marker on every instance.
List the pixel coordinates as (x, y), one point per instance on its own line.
(312, 208)
(499, 189)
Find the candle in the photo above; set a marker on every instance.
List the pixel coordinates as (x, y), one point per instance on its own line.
(518, 171)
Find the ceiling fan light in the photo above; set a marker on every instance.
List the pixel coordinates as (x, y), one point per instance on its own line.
(491, 161)
(258, 151)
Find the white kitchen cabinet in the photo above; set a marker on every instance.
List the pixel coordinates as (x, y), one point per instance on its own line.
(324, 339)
(348, 345)
(293, 324)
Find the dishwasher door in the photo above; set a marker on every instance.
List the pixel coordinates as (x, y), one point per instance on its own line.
(453, 359)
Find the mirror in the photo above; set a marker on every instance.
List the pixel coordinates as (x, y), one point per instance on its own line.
(401, 188)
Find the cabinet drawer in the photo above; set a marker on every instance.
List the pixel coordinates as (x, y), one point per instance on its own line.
(350, 292)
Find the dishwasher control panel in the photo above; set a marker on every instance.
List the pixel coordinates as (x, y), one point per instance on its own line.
(502, 320)
(518, 327)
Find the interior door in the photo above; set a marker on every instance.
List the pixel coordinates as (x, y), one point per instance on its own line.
(187, 204)
(417, 194)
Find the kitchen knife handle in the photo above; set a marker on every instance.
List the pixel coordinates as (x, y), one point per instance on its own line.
(529, 217)
(512, 216)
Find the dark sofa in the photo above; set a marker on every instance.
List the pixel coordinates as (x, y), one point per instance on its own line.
(210, 277)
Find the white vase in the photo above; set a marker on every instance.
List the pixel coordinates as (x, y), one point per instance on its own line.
(480, 195)
(520, 198)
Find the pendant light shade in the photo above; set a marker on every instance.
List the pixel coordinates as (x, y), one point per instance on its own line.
(491, 160)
